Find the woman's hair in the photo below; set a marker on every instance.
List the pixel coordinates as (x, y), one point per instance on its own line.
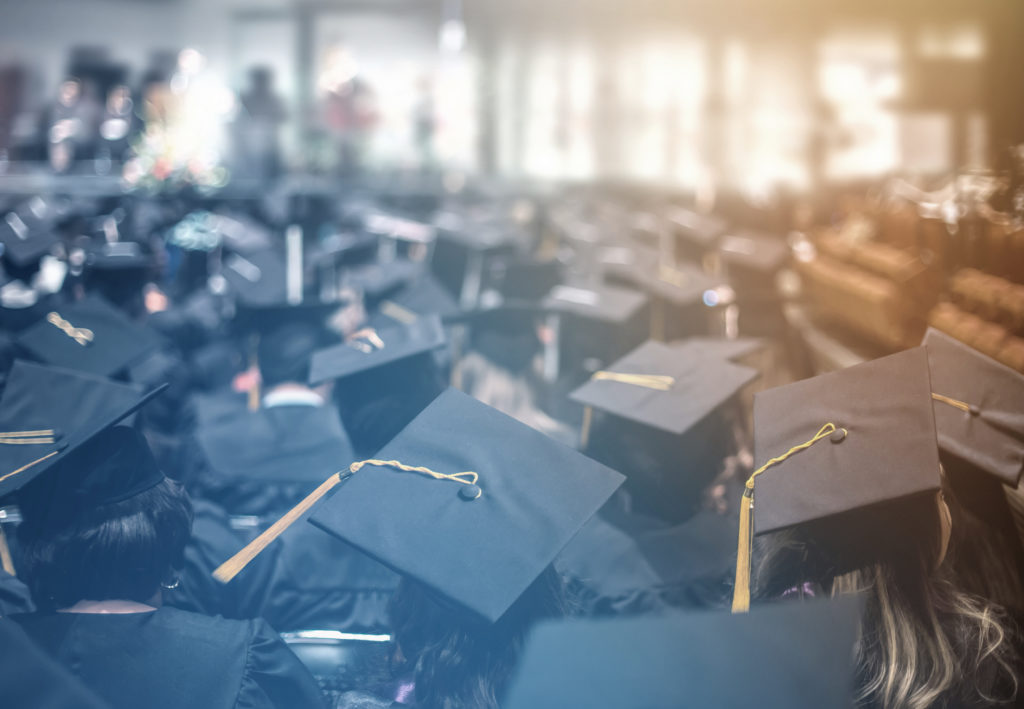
(118, 551)
(459, 661)
(924, 642)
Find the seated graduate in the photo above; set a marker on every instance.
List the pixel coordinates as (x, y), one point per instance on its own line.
(470, 507)
(261, 462)
(103, 533)
(849, 499)
(979, 416)
(667, 420)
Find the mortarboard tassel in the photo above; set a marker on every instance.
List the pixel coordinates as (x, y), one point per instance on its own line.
(744, 543)
(81, 335)
(27, 438)
(254, 365)
(1010, 424)
(6, 562)
(397, 312)
(231, 568)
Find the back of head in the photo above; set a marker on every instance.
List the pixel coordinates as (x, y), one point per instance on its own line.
(104, 524)
(284, 353)
(460, 661)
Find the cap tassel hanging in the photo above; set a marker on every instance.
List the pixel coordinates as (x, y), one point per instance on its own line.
(254, 366)
(231, 568)
(741, 589)
(658, 382)
(5, 554)
(1010, 424)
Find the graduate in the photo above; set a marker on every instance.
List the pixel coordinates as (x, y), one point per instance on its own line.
(103, 535)
(848, 497)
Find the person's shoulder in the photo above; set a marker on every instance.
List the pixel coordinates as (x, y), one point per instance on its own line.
(185, 624)
(362, 700)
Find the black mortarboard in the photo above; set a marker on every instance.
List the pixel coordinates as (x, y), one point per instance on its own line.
(118, 257)
(50, 415)
(793, 655)
(258, 278)
(90, 336)
(379, 280)
(662, 422)
(847, 457)
(978, 408)
(719, 347)
(370, 349)
(25, 240)
(421, 296)
(465, 500)
(696, 234)
(604, 303)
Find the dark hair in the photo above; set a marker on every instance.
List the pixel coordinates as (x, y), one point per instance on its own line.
(121, 550)
(285, 352)
(459, 661)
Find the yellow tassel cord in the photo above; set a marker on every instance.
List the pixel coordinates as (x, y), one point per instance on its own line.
(741, 589)
(5, 554)
(81, 335)
(231, 568)
(254, 365)
(956, 403)
(397, 312)
(27, 438)
(588, 417)
(658, 382)
(658, 320)
(25, 467)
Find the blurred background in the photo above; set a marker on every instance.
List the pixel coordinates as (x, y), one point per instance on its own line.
(876, 143)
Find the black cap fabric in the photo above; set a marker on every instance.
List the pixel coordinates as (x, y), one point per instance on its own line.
(420, 297)
(90, 336)
(683, 391)
(989, 434)
(378, 280)
(722, 348)
(778, 657)
(605, 303)
(118, 257)
(257, 279)
(699, 229)
(74, 408)
(25, 240)
(853, 486)
(369, 349)
(478, 545)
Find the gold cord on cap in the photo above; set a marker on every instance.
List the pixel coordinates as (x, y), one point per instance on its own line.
(254, 366)
(658, 382)
(27, 438)
(741, 589)
(956, 403)
(230, 568)
(81, 335)
(25, 467)
(398, 312)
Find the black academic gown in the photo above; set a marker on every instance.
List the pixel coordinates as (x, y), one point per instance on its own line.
(264, 462)
(14, 596)
(31, 680)
(172, 659)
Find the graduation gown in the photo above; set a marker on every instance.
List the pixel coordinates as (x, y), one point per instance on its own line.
(14, 596)
(172, 659)
(264, 462)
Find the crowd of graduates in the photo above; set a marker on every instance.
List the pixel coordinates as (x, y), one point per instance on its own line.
(494, 448)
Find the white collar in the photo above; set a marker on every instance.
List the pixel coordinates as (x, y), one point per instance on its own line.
(292, 397)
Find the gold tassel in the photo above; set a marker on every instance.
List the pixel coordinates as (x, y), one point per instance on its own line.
(25, 467)
(956, 403)
(231, 568)
(745, 539)
(397, 312)
(254, 366)
(5, 553)
(588, 416)
(648, 381)
(741, 589)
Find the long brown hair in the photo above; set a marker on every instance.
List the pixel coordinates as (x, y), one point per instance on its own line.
(924, 642)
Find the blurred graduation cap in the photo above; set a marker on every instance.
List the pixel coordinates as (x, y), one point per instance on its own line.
(753, 253)
(380, 280)
(49, 415)
(665, 404)
(461, 487)
(603, 303)
(90, 336)
(370, 349)
(696, 235)
(849, 457)
(977, 403)
(117, 257)
(25, 240)
(421, 297)
(793, 655)
(731, 349)
(258, 278)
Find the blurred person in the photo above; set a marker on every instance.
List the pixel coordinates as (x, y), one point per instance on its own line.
(349, 109)
(424, 123)
(258, 126)
(119, 124)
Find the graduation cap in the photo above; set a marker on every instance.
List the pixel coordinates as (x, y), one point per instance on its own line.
(369, 349)
(666, 433)
(696, 234)
(49, 415)
(792, 655)
(90, 336)
(732, 349)
(421, 297)
(605, 303)
(977, 403)
(465, 500)
(850, 457)
(117, 257)
(257, 279)
(754, 252)
(378, 280)
(25, 240)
